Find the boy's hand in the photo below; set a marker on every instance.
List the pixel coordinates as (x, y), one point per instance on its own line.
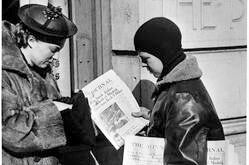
(144, 113)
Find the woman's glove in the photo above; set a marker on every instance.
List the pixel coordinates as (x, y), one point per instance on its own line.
(77, 121)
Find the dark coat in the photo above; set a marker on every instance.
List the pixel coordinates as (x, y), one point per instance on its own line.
(31, 123)
(184, 115)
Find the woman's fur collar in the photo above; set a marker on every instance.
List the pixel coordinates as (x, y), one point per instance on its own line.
(186, 70)
(12, 59)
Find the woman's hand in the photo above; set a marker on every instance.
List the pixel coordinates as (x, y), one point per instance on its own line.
(62, 106)
(71, 102)
(144, 113)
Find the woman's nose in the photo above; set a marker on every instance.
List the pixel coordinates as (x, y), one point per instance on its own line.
(56, 55)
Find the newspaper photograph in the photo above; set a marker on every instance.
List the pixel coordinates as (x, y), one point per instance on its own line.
(111, 103)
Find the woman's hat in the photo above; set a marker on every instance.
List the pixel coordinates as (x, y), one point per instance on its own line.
(47, 20)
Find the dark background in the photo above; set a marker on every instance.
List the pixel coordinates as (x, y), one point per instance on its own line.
(9, 10)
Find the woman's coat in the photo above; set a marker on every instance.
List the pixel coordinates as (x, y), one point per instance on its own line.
(31, 123)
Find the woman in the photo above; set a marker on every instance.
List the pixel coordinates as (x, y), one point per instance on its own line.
(36, 129)
(183, 112)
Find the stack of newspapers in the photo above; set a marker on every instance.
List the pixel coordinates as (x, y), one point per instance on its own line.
(112, 103)
(149, 151)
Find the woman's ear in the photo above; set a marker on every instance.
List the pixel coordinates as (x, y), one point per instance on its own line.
(31, 41)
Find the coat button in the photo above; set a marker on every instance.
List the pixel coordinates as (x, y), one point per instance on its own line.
(36, 159)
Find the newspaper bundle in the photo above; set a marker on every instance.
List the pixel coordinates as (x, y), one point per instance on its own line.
(140, 150)
(111, 103)
(149, 151)
(221, 152)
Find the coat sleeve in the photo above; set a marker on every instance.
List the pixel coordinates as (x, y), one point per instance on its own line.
(185, 132)
(29, 129)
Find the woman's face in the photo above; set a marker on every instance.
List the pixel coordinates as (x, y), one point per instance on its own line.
(42, 53)
(154, 64)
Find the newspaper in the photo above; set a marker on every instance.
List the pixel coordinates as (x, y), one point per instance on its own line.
(149, 151)
(111, 103)
(221, 152)
(140, 150)
(217, 152)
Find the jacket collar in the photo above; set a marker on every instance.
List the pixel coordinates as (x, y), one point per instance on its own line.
(185, 70)
(11, 55)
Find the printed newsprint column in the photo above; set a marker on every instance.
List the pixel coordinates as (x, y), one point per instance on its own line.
(111, 103)
(217, 152)
(143, 151)
(221, 152)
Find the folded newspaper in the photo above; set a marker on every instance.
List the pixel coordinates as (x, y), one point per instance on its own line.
(112, 103)
(149, 151)
(139, 150)
(221, 152)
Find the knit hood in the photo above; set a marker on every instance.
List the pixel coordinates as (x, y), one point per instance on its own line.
(162, 38)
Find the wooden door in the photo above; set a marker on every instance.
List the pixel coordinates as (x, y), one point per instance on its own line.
(91, 46)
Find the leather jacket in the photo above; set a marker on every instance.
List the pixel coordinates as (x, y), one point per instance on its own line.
(184, 115)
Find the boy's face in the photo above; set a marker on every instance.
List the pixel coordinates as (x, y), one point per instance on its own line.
(42, 53)
(154, 64)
